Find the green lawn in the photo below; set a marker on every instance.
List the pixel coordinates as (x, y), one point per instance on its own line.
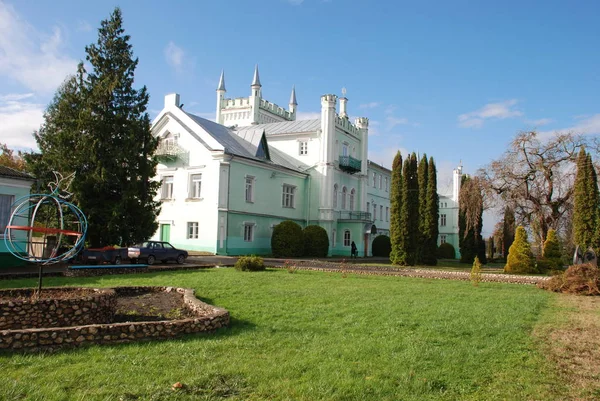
(311, 336)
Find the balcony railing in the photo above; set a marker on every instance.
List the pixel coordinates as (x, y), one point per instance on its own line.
(348, 215)
(349, 164)
(169, 151)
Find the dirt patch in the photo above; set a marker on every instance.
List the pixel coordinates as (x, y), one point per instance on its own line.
(151, 306)
(53, 293)
(573, 345)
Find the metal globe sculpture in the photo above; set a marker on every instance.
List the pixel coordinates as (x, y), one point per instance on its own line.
(46, 228)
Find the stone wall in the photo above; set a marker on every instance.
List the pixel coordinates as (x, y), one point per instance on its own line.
(97, 306)
(209, 318)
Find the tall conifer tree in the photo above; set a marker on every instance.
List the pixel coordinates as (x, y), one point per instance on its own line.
(409, 220)
(98, 127)
(508, 230)
(422, 234)
(432, 216)
(585, 211)
(396, 209)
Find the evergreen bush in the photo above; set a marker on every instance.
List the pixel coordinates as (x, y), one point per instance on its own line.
(520, 259)
(476, 272)
(382, 246)
(316, 241)
(250, 264)
(446, 251)
(552, 256)
(287, 240)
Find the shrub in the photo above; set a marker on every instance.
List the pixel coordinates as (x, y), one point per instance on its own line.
(382, 246)
(316, 241)
(287, 240)
(552, 255)
(250, 264)
(446, 251)
(520, 259)
(581, 279)
(476, 272)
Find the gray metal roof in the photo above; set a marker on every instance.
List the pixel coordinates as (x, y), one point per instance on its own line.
(12, 173)
(244, 147)
(221, 86)
(256, 78)
(284, 127)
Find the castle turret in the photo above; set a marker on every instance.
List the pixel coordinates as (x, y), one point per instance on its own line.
(220, 96)
(293, 103)
(457, 178)
(362, 123)
(343, 104)
(255, 97)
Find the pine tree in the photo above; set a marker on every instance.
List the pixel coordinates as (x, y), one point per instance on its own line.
(409, 217)
(432, 215)
(396, 209)
(422, 176)
(520, 259)
(585, 210)
(98, 127)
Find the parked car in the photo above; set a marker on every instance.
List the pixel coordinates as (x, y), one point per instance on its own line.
(107, 254)
(151, 251)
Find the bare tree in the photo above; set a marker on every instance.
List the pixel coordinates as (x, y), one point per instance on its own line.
(535, 178)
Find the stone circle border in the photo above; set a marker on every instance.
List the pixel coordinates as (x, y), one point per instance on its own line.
(209, 318)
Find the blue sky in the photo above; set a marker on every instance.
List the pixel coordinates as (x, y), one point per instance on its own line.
(454, 79)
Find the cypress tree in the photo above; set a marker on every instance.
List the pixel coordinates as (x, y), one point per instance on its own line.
(520, 259)
(422, 175)
(585, 210)
(409, 218)
(98, 127)
(396, 209)
(508, 230)
(432, 215)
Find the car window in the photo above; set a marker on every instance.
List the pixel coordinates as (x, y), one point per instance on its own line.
(168, 246)
(157, 245)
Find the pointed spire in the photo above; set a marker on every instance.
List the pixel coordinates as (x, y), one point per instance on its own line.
(221, 86)
(293, 96)
(256, 79)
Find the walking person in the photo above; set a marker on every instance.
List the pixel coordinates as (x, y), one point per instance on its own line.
(353, 251)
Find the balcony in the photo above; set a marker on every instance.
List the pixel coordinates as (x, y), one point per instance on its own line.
(354, 216)
(170, 151)
(349, 164)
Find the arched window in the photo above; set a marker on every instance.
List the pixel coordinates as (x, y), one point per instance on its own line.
(344, 191)
(352, 200)
(335, 191)
(347, 238)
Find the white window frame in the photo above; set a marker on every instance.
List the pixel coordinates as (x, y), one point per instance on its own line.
(167, 187)
(303, 148)
(443, 220)
(387, 188)
(249, 185)
(380, 181)
(347, 238)
(381, 212)
(374, 180)
(374, 212)
(344, 193)
(443, 239)
(192, 230)
(249, 232)
(195, 178)
(288, 196)
(352, 193)
(344, 149)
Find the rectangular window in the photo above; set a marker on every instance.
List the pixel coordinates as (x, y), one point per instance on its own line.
(167, 187)
(303, 148)
(368, 207)
(374, 212)
(195, 186)
(374, 180)
(381, 212)
(347, 238)
(380, 181)
(248, 232)
(442, 220)
(287, 199)
(345, 149)
(249, 189)
(443, 239)
(387, 213)
(387, 188)
(6, 202)
(192, 230)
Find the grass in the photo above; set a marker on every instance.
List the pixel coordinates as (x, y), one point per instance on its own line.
(312, 336)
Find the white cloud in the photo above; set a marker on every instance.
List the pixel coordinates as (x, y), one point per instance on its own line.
(498, 111)
(385, 155)
(174, 56)
(587, 126)
(540, 122)
(370, 105)
(392, 122)
(20, 116)
(32, 58)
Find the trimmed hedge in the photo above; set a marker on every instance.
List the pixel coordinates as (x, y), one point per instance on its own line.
(446, 251)
(382, 246)
(287, 240)
(250, 264)
(316, 241)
